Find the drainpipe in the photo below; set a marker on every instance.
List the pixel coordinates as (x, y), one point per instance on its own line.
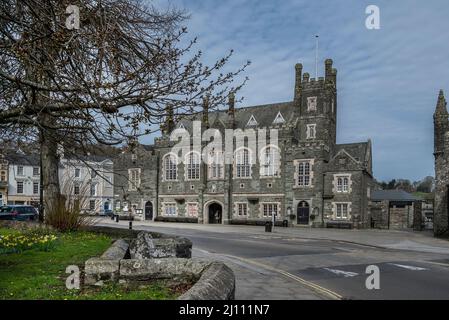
(322, 202)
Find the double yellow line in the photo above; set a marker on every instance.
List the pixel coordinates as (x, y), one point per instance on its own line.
(319, 289)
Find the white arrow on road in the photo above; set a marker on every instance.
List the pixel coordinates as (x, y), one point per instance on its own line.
(408, 267)
(346, 274)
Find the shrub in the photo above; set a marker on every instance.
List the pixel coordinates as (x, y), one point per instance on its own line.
(67, 212)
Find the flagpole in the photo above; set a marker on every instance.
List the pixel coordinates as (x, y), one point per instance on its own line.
(316, 57)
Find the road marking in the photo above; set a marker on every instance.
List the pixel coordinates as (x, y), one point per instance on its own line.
(317, 288)
(408, 267)
(346, 274)
(437, 263)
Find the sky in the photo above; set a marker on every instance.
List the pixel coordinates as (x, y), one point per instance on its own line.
(388, 79)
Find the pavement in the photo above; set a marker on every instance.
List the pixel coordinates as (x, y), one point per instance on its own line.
(305, 263)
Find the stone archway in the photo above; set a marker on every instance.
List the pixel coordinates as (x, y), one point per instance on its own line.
(214, 212)
(303, 213)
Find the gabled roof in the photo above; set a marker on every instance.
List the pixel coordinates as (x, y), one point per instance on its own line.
(23, 159)
(356, 150)
(392, 195)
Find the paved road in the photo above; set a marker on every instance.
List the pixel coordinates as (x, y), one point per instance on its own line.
(289, 266)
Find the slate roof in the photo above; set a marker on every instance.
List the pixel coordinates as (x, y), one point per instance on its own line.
(22, 159)
(356, 150)
(392, 195)
(264, 115)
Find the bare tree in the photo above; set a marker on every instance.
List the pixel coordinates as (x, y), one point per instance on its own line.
(107, 81)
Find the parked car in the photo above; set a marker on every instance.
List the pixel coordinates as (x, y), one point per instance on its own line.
(18, 213)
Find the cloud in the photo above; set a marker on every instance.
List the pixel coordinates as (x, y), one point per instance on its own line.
(388, 79)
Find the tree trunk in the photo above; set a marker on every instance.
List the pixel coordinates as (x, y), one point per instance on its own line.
(50, 165)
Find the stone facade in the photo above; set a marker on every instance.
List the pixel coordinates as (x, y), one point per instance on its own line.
(318, 181)
(441, 153)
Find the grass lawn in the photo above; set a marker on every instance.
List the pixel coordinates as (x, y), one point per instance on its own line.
(34, 274)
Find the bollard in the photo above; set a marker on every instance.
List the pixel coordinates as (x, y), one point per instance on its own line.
(130, 225)
(112, 217)
(117, 218)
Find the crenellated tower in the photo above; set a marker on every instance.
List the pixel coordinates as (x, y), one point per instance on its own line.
(316, 104)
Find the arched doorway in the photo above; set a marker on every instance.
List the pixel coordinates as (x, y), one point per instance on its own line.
(303, 213)
(215, 212)
(148, 211)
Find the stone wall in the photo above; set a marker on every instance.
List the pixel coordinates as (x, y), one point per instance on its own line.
(144, 257)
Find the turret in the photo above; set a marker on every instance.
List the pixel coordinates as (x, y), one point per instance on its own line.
(231, 110)
(298, 75)
(330, 73)
(441, 123)
(169, 121)
(206, 112)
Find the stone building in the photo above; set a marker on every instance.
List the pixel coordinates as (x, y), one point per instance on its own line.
(317, 182)
(394, 209)
(441, 153)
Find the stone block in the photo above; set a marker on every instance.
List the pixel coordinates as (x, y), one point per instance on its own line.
(97, 269)
(166, 268)
(217, 282)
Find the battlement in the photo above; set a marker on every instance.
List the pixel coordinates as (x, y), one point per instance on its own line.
(304, 82)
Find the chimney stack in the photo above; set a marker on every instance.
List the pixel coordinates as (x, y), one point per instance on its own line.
(298, 75)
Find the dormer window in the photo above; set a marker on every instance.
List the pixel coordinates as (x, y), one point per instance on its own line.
(279, 118)
(311, 103)
(252, 122)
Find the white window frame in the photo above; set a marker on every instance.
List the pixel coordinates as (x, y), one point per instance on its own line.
(242, 163)
(172, 207)
(93, 189)
(77, 173)
(342, 183)
(22, 187)
(76, 188)
(94, 206)
(311, 131)
(170, 166)
(36, 171)
(35, 191)
(303, 173)
(268, 208)
(241, 209)
(270, 162)
(215, 165)
(192, 165)
(312, 103)
(339, 212)
(20, 170)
